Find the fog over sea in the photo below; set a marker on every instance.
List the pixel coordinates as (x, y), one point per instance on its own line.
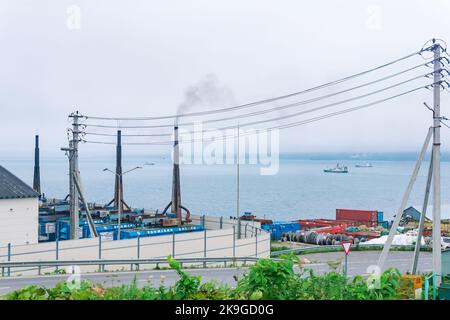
(299, 190)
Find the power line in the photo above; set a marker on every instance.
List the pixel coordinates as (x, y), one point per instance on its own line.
(227, 109)
(273, 109)
(285, 126)
(289, 115)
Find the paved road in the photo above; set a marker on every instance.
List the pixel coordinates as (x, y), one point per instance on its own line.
(358, 263)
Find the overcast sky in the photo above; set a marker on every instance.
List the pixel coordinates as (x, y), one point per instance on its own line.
(137, 58)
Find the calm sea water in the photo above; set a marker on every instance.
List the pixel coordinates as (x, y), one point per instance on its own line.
(300, 189)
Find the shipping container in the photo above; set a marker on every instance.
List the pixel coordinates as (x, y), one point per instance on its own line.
(63, 230)
(384, 224)
(105, 228)
(357, 215)
(380, 216)
(277, 228)
(135, 233)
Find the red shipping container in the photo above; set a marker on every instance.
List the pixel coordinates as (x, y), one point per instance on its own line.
(356, 215)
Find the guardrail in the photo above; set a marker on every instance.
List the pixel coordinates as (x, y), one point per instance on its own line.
(6, 266)
(336, 246)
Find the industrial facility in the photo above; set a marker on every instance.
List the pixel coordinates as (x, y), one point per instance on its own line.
(75, 218)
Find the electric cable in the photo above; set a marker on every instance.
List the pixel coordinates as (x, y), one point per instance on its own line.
(227, 109)
(285, 126)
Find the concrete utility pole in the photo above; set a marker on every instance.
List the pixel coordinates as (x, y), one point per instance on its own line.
(422, 217)
(437, 163)
(238, 183)
(393, 231)
(73, 168)
(91, 224)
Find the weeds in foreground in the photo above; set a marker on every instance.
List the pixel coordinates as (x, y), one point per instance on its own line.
(266, 279)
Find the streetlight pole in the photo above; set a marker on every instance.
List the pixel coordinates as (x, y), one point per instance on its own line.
(120, 195)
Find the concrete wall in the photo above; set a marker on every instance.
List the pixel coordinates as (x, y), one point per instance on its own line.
(214, 242)
(19, 221)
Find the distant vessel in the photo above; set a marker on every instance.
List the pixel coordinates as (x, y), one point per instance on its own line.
(364, 165)
(337, 169)
(149, 164)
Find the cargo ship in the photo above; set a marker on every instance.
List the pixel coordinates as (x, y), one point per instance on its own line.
(337, 169)
(363, 165)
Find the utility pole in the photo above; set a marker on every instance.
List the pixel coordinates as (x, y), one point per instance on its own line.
(238, 183)
(73, 169)
(422, 218)
(437, 162)
(399, 214)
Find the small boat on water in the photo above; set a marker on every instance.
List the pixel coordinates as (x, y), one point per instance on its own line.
(337, 169)
(364, 165)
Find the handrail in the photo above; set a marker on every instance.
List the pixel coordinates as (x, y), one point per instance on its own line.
(57, 263)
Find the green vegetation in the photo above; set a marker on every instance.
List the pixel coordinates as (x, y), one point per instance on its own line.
(354, 248)
(57, 271)
(278, 248)
(267, 279)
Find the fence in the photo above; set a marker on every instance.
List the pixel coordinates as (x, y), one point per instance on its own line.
(226, 261)
(223, 241)
(244, 228)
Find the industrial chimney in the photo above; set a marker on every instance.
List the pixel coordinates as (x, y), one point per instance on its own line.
(37, 174)
(176, 192)
(175, 205)
(118, 199)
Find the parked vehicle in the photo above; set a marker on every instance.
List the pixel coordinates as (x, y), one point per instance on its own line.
(445, 243)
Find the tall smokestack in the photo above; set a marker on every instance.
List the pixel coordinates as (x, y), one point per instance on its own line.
(176, 193)
(37, 174)
(119, 182)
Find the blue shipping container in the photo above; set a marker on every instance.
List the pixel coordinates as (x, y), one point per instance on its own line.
(131, 234)
(63, 230)
(380, 216)
(105, 228)
(384, 224)
(277, 228)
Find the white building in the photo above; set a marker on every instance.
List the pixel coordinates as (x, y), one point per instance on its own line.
(19, 211)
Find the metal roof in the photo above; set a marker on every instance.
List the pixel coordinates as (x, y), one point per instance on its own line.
(12, 187)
